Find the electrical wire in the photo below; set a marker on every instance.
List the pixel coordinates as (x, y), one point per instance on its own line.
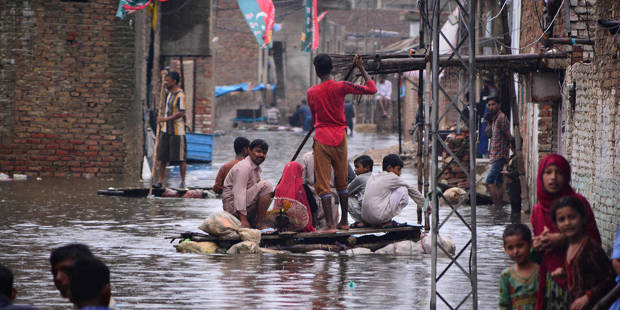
(535, 41)
(500, 11)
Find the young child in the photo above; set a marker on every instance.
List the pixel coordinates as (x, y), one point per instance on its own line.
(386, 194)
(587, 268)
(363, 170)
(518, 284)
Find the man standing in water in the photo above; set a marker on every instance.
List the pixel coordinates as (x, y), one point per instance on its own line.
(172, 147)
(326, 101)
(498, 130)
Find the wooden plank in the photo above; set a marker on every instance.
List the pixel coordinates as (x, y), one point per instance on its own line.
(342, 233)
(308, 235)
(143, 192)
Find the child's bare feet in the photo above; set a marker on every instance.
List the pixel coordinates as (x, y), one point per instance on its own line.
(343, 226)
(327, 230)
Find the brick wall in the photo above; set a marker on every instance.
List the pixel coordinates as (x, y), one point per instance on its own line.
(592, 139)
(582, 24)
(588, 117)
(67, 77)
(236, 49)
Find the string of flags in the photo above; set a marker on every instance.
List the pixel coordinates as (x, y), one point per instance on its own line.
(131, 6)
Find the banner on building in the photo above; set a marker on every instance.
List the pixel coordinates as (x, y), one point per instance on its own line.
(131, 6)
(310, 35)
(260, 16)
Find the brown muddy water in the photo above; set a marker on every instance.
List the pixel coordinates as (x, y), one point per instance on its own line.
(148, 273)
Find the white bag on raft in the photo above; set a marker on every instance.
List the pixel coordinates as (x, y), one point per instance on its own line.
(221, 224)
(245, 247)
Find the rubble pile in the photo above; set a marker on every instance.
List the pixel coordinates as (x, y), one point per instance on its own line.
(454, 174)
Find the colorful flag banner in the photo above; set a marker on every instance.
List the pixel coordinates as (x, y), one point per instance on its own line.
(310, 35)
(131, 6)
(260, 16)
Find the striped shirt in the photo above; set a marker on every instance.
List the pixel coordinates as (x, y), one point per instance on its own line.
(499, 144)
(175, 102)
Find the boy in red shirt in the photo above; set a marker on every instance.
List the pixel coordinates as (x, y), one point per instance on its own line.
(326, 101)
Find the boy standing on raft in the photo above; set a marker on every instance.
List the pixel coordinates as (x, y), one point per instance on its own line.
(326, 101)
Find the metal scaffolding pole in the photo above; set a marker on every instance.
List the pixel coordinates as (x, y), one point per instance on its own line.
(460, 261)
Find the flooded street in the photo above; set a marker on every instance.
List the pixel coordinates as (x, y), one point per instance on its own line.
(148, 273)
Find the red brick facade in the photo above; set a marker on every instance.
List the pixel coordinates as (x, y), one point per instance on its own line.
(67, 76)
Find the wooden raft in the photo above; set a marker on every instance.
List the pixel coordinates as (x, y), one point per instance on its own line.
(371, 238)
(144, 192)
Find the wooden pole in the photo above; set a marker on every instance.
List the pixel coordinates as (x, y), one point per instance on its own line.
(400, 126)
(303, 142)
(515, 62)
(420, 114)
(161, 103)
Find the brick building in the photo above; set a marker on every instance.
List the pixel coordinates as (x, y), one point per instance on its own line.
(582, 121)
(77, 82)
(67, 77)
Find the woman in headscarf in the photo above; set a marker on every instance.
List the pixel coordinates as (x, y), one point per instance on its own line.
(291, 196)
(553, 182)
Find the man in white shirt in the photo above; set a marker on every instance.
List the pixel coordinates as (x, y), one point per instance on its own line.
(384, 93)
(387, 194)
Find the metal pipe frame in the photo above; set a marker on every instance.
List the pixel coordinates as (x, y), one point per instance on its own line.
(467, 17)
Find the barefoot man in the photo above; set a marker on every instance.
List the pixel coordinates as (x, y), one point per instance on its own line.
(326, 101)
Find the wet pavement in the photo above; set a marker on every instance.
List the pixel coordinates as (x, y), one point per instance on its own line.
(148, 273)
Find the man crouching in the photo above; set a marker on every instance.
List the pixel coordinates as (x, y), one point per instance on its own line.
(387, 194)
(245, 195)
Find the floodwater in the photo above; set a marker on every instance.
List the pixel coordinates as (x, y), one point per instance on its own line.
(148, 273)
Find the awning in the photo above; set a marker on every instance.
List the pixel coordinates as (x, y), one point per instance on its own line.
(223, 90)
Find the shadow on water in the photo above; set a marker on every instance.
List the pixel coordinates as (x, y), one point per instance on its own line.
(147, 272)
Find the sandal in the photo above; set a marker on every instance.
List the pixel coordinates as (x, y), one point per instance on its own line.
(393, 224)
(359, 224)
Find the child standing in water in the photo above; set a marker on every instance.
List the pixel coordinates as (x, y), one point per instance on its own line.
(518, 284)
(587, 268)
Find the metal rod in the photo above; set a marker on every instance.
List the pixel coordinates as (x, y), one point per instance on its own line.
(194, 94)
(472, 155)
(420, 114)
(400, 126)
(571, 41)
(434, 133)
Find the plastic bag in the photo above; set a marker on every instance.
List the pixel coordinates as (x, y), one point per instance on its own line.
(221, 224)
(245, 247)
(406, 247)
(445, 241)
(197, 247)
(249, 234)
(454, 195)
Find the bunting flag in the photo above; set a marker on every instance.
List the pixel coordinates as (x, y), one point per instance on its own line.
(131, 6)
(260, 16)
(310, 35)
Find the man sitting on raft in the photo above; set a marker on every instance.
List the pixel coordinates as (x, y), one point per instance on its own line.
(241, 145)
(245, 195)
(387, 194)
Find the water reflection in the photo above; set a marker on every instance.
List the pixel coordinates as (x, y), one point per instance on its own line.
(147, 273)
